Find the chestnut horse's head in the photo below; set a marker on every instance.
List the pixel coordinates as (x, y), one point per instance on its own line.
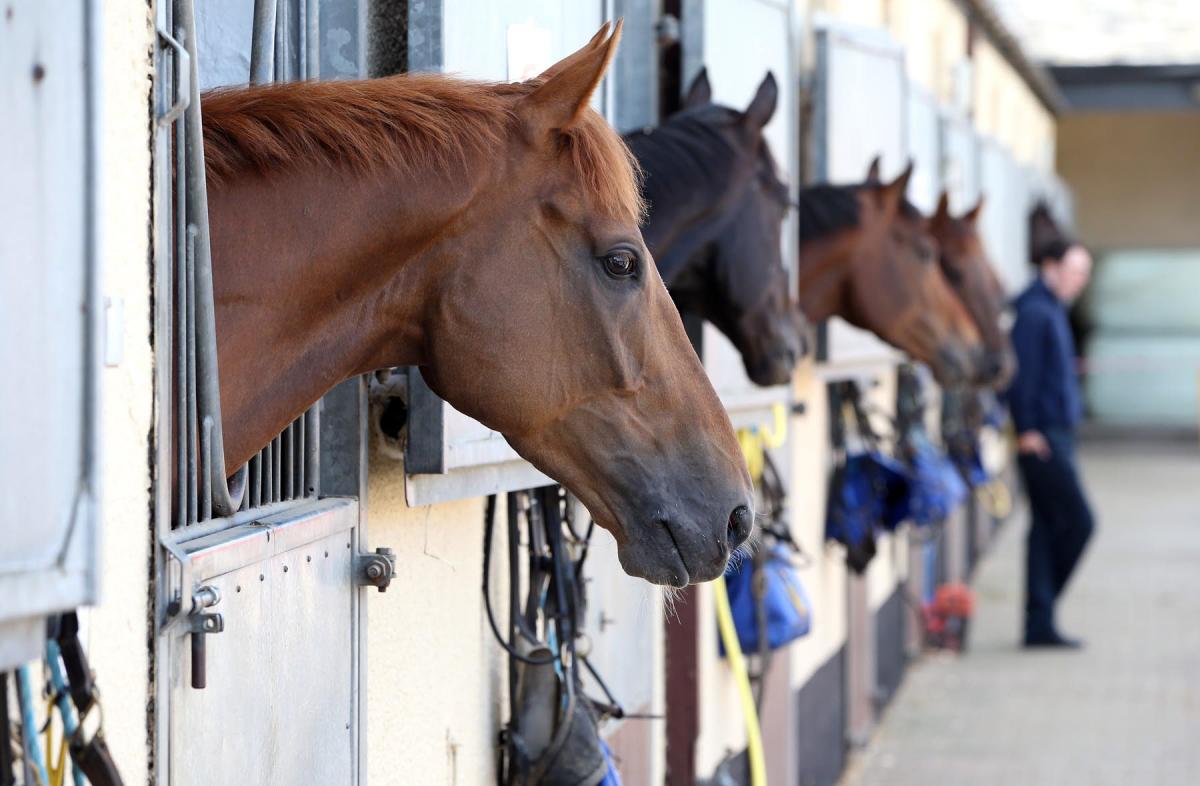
(717, 208)
(970, 273)
(874, 263)
(551, 325)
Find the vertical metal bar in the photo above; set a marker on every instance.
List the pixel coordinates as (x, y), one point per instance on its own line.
(179, 331)
(312, 39)
(206, 497)
(301, 451)
(289, 463)
(277, 473)
(312, 450)
(255, 481)
(281, 42)
(268, 465)
(188, 391)
(227, 498)
(262, 44)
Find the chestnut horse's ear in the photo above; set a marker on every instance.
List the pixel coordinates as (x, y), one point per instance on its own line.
(973, 214)
(892, 194)
(873, 171)
(943, 207)
(762, 106)
(700, 92)
(565, 88)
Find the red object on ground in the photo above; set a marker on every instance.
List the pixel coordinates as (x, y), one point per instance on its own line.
(948, 617)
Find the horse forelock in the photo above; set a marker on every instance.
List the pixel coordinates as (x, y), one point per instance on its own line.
(406, 123)
(828, 209)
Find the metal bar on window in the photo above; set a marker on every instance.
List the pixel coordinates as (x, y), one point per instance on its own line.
(262, 45)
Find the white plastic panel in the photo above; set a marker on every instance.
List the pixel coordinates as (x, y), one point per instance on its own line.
(498, 42)
(1005, 219)
(48, 311)
(743, 40)
(960, 162)
(924, 148)
(861, 113)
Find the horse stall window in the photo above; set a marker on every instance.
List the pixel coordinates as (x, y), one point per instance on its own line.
(924, 145)
(859, 112)
(448, 455)
(255, 565)
(767, 44)
(49, 319)
(1005, 219)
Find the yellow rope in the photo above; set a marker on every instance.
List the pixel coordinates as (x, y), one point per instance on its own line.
(737, 662)
(755, 442)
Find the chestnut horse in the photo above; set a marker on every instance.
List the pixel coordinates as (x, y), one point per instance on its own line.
(715, 224)
(866, 256)
(970, 273)
(487, 233)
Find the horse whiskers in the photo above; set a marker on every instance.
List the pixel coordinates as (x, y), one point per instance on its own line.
(671, 596)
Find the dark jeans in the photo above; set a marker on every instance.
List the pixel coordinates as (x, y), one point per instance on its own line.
(1059, 529)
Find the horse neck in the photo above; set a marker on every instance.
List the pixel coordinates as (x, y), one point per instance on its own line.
(687, 202)
(318, 275)
(825, 270)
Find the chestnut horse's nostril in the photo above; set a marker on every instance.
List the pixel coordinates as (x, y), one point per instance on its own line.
(741, 521)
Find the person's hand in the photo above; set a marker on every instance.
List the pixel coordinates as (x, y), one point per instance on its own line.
(1033, 442)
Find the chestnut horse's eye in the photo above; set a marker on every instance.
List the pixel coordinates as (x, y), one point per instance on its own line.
(952, 274)
(621, 263)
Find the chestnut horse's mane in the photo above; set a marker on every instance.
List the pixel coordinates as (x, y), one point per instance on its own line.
(405, 123)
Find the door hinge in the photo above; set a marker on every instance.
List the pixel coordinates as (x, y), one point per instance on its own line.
(376, 570)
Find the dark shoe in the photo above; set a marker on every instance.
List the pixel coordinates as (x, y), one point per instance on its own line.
(1053, 640)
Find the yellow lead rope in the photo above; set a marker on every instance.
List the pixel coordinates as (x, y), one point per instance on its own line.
(737, 662)
(754, 442)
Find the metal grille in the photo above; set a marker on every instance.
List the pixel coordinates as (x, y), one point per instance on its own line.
(287, 469)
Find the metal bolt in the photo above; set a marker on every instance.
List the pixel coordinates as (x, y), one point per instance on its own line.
(374, 571)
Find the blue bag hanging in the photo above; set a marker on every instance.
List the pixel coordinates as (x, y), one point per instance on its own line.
(868, 490)
(786, 608)
(611, 776)
(937, 488)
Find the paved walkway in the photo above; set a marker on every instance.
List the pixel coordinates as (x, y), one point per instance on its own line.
(1126, 710)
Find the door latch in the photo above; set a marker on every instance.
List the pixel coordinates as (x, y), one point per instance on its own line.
(376, 570)
(200, 624)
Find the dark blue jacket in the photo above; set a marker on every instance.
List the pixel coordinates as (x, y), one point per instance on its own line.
(1044, 395)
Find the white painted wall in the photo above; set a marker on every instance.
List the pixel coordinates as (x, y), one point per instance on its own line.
(118, 628)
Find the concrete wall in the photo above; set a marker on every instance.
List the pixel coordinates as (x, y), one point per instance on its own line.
(435, 674)
(1134, 177)
(117, 630)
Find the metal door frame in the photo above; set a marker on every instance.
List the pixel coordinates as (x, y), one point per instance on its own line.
(339, 438)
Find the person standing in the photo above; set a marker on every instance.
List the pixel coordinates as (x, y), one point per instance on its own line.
(1046, 408)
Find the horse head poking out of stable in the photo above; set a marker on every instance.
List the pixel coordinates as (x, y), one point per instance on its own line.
(866, 255)
(487, 233)
(715, 225)
(966, 266)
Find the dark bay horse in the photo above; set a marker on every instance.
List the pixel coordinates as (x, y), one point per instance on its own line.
(866, 255)
(967, 268)
(715, 224)
(487, 233)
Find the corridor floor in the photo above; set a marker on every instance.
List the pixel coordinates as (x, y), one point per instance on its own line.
(1126, 710)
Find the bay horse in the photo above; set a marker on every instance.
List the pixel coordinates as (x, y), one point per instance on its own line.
(715, 224)
(965, 264)
(489, 234)
(866, 256)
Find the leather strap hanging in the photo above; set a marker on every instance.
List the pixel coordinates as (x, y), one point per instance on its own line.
(91, 756)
